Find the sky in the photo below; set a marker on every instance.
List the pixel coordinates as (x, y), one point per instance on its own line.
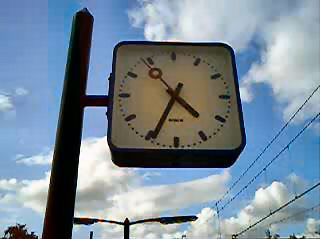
(277, 47)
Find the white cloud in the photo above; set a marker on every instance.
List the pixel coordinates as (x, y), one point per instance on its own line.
(206, 226)
(9, 184)
(123, 194)
(312, 228)
(96, 172)
(234, 22)
(296, 183)
(5, 103)
(99, 179)
(20, 91)
(286, 31)
(40, 159)
(150, 175)
(290, 62)
(266, 199)
(105, 189)
(153, 200)
(246, 94)
(33, 193)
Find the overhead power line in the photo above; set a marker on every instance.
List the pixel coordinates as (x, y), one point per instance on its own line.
(295, 215)
(278, 209)
(269, 163)
(292, 216)
(268, 145)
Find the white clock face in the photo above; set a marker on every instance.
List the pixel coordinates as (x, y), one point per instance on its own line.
(175, 97)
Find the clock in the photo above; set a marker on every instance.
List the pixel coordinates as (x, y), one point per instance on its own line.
(174, 105)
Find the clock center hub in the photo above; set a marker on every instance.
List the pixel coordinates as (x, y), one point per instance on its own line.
(155, 73)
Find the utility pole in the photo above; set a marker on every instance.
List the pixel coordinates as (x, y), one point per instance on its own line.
(126, 228)
(58, 221)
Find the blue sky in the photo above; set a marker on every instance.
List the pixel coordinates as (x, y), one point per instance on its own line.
(277, 55)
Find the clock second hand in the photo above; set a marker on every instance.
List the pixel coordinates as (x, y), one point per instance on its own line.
(166, 111)
(170, 90)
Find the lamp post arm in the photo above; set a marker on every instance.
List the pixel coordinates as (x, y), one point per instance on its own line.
(89, 221)
(167, 220)
(145, 220)
(111, 221)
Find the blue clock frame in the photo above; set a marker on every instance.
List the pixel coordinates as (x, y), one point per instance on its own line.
(173, 158)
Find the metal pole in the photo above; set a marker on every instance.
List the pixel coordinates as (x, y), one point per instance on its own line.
(91, 235)
(58, 219)
(126, 228)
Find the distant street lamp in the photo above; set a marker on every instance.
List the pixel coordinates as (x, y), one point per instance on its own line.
(127, 223)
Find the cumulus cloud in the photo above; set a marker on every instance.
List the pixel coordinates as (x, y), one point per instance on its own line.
(265, 200)
(312, 228)
(150, 175)
(245, 93)
(5, 103)
(40, 159)
(7, 100)
(234, 22)
(287, 33)
(103, 186)
(98, 179)
(20, 91)
(153, 200)
(9, 184)
(105, 189)
(33, 193)
(290, 62)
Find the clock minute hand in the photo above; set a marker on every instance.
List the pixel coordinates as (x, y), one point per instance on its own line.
(156, 73)
(167, 110)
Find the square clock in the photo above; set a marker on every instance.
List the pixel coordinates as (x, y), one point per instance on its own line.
(174, 105)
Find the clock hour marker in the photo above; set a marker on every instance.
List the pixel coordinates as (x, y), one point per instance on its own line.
(176, 142)
(124, 95)
(131, 74)
(130, 117)
(224, 97)
(150, 61)
(220, 118)
(173, 56)
(197, 61)
(215, 76)
(202, 135)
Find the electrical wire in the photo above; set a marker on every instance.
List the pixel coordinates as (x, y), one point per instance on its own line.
(291, 216)
(219, 223)
(268, 145)
(269, 163)
(295, 215)
(278, 209)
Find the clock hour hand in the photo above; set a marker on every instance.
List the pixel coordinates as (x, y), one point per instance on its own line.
(166, 111)
(156, 73)
(183, 103)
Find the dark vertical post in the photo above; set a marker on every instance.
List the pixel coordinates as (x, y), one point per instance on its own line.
(126, 228)
(91, 235)
(58, 219)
